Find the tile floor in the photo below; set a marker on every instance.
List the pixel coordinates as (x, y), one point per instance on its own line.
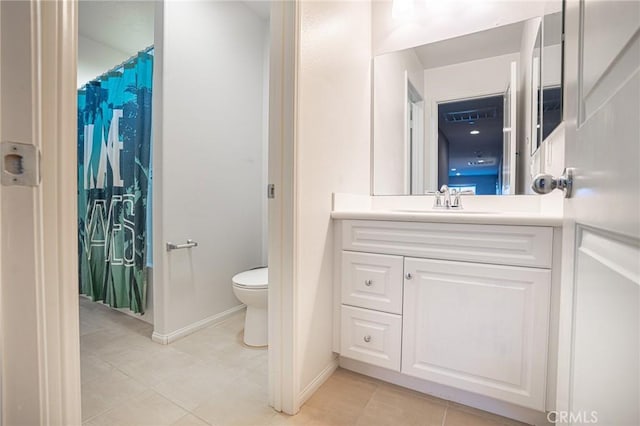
(210, 378)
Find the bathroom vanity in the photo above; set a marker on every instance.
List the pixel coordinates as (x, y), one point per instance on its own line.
(456, 304)
(459, 302)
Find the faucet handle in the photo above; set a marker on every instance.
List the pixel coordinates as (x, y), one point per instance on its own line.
(437, 203)
(456, 200)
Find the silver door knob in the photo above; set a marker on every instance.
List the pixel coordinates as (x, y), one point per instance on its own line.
(408, 275)
(368, 283)
(367, 338)
(544, 183)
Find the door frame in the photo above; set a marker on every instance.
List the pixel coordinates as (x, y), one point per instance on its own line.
(50, 391)
(53, 51)
(284, 382)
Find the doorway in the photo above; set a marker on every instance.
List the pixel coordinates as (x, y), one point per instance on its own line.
(209, 173)
(470, 144)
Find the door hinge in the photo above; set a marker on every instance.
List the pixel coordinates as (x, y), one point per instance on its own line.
(271, 191)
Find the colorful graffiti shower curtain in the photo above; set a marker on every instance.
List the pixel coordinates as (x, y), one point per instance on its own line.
(114, 150)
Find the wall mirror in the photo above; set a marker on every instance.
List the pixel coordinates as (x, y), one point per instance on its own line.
(468, 111)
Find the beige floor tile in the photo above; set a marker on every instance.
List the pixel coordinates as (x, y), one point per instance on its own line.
(161, 365)
(211, 378)
(101, 340)
(190, 420)
(394, 405)
(484, 414)
(311, 416)
(195, 385)
(102, 394)
(351, 375)
(344, 395)
(145, 409)
(230, 408)
(456, 417)
(240, 357)
(93, 368)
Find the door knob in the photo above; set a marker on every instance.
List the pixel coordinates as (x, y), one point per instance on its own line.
(544, 183)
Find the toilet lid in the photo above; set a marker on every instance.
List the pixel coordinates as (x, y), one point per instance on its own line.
(255, 278)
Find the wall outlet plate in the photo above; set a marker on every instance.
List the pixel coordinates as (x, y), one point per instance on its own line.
(20, 164)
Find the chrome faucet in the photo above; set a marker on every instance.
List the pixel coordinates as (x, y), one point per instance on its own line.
(443, 198)
(445, 192)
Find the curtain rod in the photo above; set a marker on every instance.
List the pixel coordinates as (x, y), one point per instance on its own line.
(117, 67)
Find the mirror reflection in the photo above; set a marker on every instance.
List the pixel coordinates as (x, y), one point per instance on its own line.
(453, 112)
(551, 101)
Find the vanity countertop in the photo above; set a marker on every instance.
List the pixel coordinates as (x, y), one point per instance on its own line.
(463, 216)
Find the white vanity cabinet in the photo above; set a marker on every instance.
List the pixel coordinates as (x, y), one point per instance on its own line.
(461, 305)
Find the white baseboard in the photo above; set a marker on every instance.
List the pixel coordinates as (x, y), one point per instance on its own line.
(312, 387)
(470, 399)
(165, 339)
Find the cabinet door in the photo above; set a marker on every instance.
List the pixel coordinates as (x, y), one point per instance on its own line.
(481, 328)
(372, 281)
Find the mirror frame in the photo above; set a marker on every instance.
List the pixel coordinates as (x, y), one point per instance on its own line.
(538, 137)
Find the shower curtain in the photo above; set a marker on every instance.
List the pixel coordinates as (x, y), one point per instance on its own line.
(114, 150)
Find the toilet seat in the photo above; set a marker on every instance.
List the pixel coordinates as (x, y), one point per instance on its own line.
(255, 279)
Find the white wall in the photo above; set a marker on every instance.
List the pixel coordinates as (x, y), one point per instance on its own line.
(208, 157)
(389, 110)
(552, 65)
(111, 32)
(94, 58)
(332, 155)
(483, 77)
(440, 20)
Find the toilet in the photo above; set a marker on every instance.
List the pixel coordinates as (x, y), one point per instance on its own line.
(251, 288)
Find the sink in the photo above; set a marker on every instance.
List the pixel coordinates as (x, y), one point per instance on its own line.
(443, 211)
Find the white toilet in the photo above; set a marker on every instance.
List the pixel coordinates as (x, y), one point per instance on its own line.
(251, 288)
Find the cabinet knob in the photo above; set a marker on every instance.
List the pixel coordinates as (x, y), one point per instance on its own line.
(367, 338)
(408, 275)
(368, 283)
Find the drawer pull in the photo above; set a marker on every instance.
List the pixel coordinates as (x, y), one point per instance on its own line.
(367, 338)
(408, 275)
(368, 283)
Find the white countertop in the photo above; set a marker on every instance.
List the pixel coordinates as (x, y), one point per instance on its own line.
(486, 218)
(488, 210)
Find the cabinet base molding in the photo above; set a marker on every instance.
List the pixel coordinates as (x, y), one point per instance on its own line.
(480, 402)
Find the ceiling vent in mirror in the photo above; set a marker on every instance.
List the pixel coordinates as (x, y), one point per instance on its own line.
(471, 115)
(482, 162)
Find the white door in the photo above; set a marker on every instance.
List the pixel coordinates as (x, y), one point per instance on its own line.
(417, 147)
(599, 369)
(414, 139)
(509, 134)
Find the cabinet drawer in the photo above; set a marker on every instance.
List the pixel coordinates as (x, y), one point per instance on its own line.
(372, 281)
(495, 244)
(372, 337)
